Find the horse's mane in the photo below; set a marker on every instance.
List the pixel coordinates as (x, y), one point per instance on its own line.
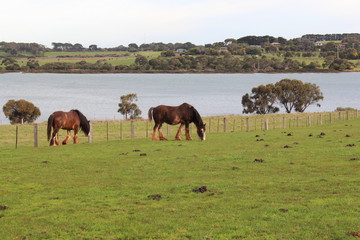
(84, 123)
(197, 118)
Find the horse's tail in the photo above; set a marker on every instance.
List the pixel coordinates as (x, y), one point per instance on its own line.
(49, 126)
(150, 113)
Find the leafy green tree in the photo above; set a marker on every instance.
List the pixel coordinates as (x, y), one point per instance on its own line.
(341, 65)
(261, 100)
(21, 111)
(33, 64)
(295, 95)
(127, 107)
(141, 60)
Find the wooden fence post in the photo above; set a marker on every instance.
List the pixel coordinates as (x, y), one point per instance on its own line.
(36, 135)
(339, 117)
(266, 124)
(16, 136)
(309, 121)
(224, 124)
(330, 118)
(297, 122)
(168, 129)
(347, 115)
(284, 122)
(132, 129)
(90, 134)
(209, 125)
(107, 131)
(247, 125)
(218, 125)
(121, 130)
(321, 120)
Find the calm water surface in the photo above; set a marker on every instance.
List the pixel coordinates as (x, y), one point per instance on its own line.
(98, 95)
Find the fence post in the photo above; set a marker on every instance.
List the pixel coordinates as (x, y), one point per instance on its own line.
(132, 129)
(168, 130)
(218, 124)
(247, 125)
(107, 131)
(36, 135)
(284, 122)
(16, 136)
(90, 134)
(224, 124)
(209, 125)
(309, 121)
(330, 117)
(297, 122)
(266, 124)
(339, 118)
(121, 130)
(347, 115)
(321, 120)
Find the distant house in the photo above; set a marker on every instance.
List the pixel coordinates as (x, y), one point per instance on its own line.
(319, 43)
(180, 50)
(275, 44)
(343, 44)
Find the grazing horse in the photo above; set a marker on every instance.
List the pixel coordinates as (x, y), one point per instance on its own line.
(73, 120)
(183, 114)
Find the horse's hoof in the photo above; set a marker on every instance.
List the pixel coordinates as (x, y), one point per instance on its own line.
(163, 139)
(178, 139)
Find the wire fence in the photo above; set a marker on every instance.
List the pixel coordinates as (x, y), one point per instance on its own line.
(102, 131)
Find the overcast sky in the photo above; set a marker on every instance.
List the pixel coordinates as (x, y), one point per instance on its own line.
(110, 23)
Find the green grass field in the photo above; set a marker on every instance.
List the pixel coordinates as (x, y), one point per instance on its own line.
(304, 185)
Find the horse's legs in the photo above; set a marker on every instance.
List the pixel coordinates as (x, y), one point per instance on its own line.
(178, 134)
(68, 136)
(76, 137)
(57, 139)
(156, 128)
(187, 131)
(54, 141)
(161, 136)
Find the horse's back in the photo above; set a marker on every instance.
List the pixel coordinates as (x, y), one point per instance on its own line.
(172, 114)
(65, 120)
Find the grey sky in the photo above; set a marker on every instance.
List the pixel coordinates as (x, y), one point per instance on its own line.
(110, 23)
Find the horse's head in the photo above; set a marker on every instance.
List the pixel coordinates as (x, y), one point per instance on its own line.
(201, 131)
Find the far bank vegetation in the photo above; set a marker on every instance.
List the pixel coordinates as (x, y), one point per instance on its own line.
(250, 54)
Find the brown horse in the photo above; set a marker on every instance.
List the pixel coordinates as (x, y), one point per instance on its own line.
(183, 114)
(73, 120)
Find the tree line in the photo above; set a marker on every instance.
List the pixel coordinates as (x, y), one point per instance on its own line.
(248, 45)
(171, 62)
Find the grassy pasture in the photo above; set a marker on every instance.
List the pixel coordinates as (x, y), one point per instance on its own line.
(115, 58)
(103, 131)
(308, 190)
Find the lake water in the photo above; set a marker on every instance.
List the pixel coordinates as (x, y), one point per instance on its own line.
(98, 95)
